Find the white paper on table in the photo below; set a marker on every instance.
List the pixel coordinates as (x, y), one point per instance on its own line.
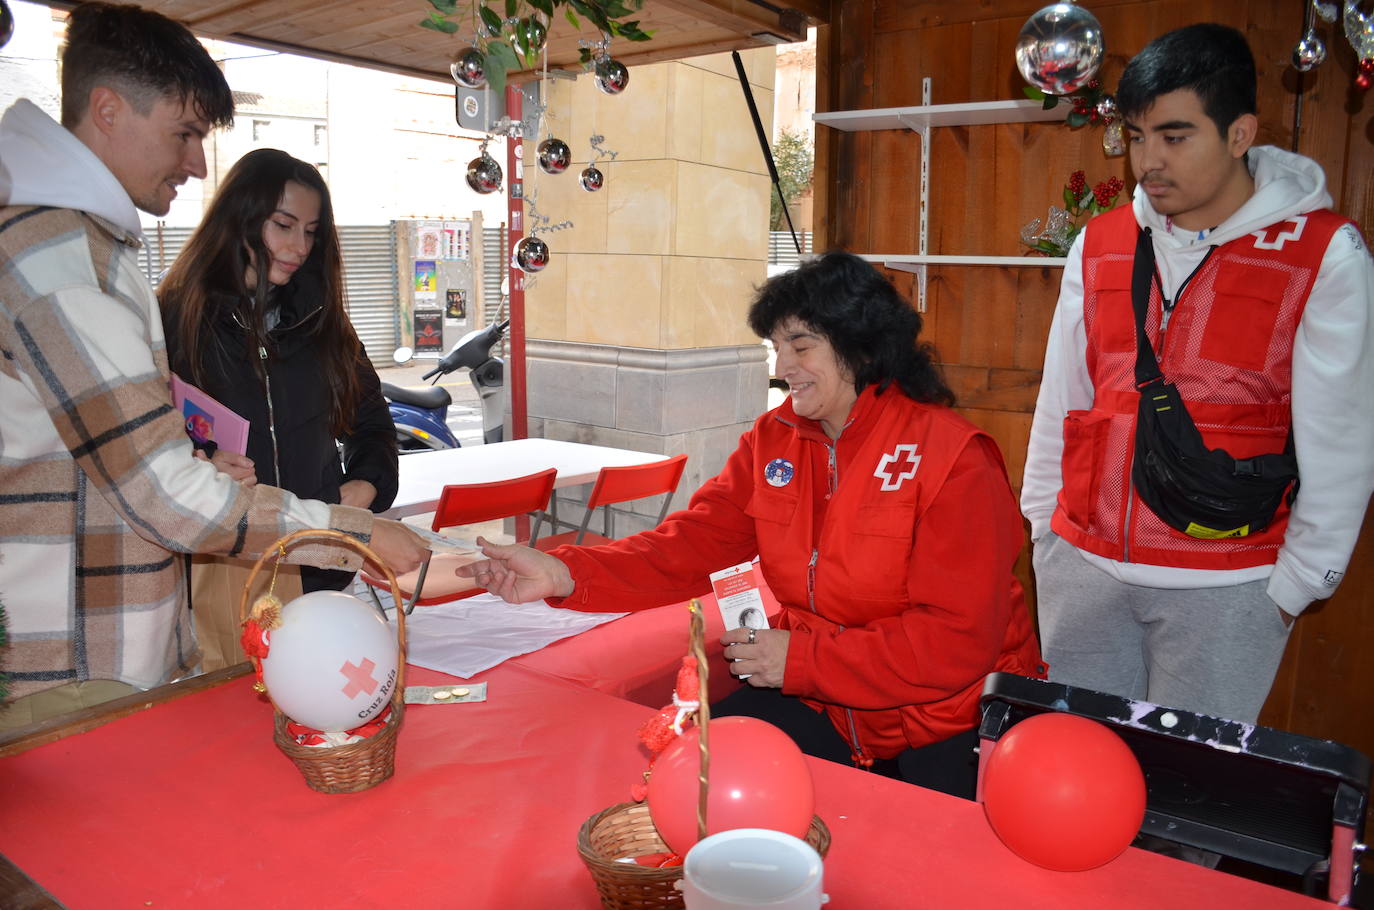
(467, 636)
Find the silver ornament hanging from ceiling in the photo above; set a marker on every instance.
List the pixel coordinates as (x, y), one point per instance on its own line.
(612, 76)
(1060, 48)
(554, 156)
(532, 33)
(591, 178)
(484, 173)
(1309, 52)
(470, 68)
(530, 255)
(6, 23)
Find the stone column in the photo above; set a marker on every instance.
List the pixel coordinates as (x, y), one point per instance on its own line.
(637, 335)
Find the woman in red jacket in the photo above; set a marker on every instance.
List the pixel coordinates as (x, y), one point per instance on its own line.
(883, 522)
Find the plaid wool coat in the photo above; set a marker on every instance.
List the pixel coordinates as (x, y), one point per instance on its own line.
(99, 492)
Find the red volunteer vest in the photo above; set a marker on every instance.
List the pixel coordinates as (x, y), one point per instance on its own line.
(864, 548)
(1228, 348)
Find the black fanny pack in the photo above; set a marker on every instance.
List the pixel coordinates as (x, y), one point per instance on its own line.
(1202, 492)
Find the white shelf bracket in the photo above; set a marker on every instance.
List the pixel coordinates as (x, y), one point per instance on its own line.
(925, 201)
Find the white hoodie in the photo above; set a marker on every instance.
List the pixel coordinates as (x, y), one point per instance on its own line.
(42, 163)
(1333, 389)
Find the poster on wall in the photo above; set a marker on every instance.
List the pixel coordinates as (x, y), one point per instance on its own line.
(429, 241)
(425, 279)
(457, 239)
(443, 240)
(429, 332)
(456, 303)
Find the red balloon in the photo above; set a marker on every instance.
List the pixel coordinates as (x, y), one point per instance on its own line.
(758, 779)
(1064, 792)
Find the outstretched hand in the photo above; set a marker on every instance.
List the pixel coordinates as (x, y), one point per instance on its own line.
(518, 574)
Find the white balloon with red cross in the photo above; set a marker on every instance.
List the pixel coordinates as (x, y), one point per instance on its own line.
(332, 663)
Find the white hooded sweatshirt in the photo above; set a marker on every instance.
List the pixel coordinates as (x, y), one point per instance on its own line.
(1332, 396)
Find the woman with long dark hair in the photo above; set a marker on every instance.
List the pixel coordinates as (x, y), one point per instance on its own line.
(884, 525)
(254, 315)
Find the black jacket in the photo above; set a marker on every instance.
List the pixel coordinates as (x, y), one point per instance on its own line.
(291, 441)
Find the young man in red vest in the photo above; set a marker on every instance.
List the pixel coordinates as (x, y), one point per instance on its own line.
(1261, 313)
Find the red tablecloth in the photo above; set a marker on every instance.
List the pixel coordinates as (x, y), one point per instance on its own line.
(637, 656)
(190, 805)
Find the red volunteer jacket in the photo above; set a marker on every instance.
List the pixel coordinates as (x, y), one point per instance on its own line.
(1229, 349)
(891, 552)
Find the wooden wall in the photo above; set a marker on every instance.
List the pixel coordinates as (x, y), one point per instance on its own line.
(990, 324)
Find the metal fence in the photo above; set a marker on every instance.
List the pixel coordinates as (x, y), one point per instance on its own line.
(782, 251)
(369, 256)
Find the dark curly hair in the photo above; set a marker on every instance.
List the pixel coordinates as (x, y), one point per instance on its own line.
(144, 56)
(872, 328)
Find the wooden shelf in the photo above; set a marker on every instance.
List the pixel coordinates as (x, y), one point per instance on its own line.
(922, 117)
(913, 263)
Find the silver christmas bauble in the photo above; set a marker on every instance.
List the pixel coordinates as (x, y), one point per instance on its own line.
(591, 178)
(531, 33)
(1309, 52)
(530, 254)
(470, 69)
(6, 23)
(554, 156)
(1106, 108)
(1060, 48)
(484, 174)
(612, 76)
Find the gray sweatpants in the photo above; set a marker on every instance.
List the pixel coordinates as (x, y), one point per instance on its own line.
(1208, 650)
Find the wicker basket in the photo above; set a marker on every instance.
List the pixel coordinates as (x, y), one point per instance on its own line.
(355, 766)
(626, 829)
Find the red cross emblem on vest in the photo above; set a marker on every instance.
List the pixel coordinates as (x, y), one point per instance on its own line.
(897, 466)
(1276, 235)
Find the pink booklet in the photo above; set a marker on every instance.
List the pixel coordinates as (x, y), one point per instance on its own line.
(207, 420)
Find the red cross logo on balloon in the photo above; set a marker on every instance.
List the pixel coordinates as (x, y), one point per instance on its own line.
(904, 454)
(360, 678)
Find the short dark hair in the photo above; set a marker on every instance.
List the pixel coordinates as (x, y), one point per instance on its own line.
(873, 329)
(1213, 61)
(142, 55)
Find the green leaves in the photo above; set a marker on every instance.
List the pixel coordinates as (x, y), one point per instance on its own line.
(501, 58)
(513, 32)
(439, 24)
(491, 21)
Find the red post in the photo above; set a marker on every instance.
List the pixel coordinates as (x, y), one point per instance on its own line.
(515, 211)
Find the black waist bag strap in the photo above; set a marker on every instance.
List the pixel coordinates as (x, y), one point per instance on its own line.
(1202, 492)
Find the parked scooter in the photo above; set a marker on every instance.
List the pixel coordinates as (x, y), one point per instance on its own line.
(421, 415)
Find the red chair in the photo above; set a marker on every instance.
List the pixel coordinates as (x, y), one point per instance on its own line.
(622, 484)
(464, 504)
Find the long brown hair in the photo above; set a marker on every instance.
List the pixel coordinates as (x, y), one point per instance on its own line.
(228, 243)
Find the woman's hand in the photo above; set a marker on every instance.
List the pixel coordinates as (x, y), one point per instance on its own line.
(763, 661)
(237, 467)
(518, 574)
(358, 493)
